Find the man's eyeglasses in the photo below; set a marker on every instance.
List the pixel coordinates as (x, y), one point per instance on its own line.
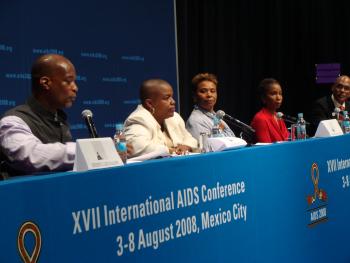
(341, 86)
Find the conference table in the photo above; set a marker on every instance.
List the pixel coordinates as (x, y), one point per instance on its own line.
(283, 202)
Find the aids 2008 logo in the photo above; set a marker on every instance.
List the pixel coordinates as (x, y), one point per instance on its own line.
(317, 201)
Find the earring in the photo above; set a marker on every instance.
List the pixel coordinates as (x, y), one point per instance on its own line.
(153, 110)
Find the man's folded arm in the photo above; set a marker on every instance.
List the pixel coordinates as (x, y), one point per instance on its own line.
(27, 153)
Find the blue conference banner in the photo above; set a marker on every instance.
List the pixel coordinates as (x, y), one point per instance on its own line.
(114, 45)
(284, 202)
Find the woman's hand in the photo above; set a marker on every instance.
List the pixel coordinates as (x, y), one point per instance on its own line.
(130, 149)
(181, 149)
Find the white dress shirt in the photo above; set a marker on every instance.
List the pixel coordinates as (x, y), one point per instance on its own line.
(28, 153)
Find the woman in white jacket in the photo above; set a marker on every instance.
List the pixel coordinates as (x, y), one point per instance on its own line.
(154, 125)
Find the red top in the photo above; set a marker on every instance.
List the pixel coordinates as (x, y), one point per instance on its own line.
(268, 128)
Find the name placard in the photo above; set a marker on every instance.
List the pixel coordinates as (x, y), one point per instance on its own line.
(328, 128)
(95, 153)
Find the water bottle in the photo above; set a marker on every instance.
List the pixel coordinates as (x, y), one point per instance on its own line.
(346, 122)
(301, 127)
(120, 141)
(215, 130)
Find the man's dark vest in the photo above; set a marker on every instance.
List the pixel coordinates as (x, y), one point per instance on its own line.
(45, 125)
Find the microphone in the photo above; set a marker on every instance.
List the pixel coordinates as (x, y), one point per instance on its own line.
(289, 119)
(337, 110)
(336, 113)
(281, 116)
(87, 116)
(286, 118)
(221, 114)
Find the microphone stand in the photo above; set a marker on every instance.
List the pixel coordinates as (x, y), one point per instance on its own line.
(289, 121)
(293, 120)
(91, 127)
(244, 128)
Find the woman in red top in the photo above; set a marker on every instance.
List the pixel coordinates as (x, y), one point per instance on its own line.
(269, 128)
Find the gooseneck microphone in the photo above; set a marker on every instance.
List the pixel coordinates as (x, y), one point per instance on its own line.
(87, 116)
(289, 119)
(281, 116)
(221, 114)
(286, 118)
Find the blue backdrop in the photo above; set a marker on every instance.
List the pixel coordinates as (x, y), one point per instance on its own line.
(114, 46)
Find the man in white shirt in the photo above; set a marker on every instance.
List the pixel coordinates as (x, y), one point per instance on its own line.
(35, 136)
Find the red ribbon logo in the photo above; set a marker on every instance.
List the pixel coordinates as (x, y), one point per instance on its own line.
(318, 193)
(26, 228)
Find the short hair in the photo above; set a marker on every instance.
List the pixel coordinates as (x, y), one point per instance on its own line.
(203, 77)
(265, 84)
(148, 88)
(44, 66)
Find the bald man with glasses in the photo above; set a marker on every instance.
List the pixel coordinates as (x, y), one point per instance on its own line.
(324, 108)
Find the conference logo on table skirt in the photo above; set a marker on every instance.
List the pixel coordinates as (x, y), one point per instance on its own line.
(316, 200)
(25, 244)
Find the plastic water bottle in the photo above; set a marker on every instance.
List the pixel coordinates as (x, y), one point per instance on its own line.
(216, 131)
(301, 127)
(120, 141)
(346, 122)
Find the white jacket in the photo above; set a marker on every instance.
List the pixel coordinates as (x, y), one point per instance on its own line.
(145, 134)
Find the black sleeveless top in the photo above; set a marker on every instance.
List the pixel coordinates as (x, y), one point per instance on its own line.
(45, 125)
